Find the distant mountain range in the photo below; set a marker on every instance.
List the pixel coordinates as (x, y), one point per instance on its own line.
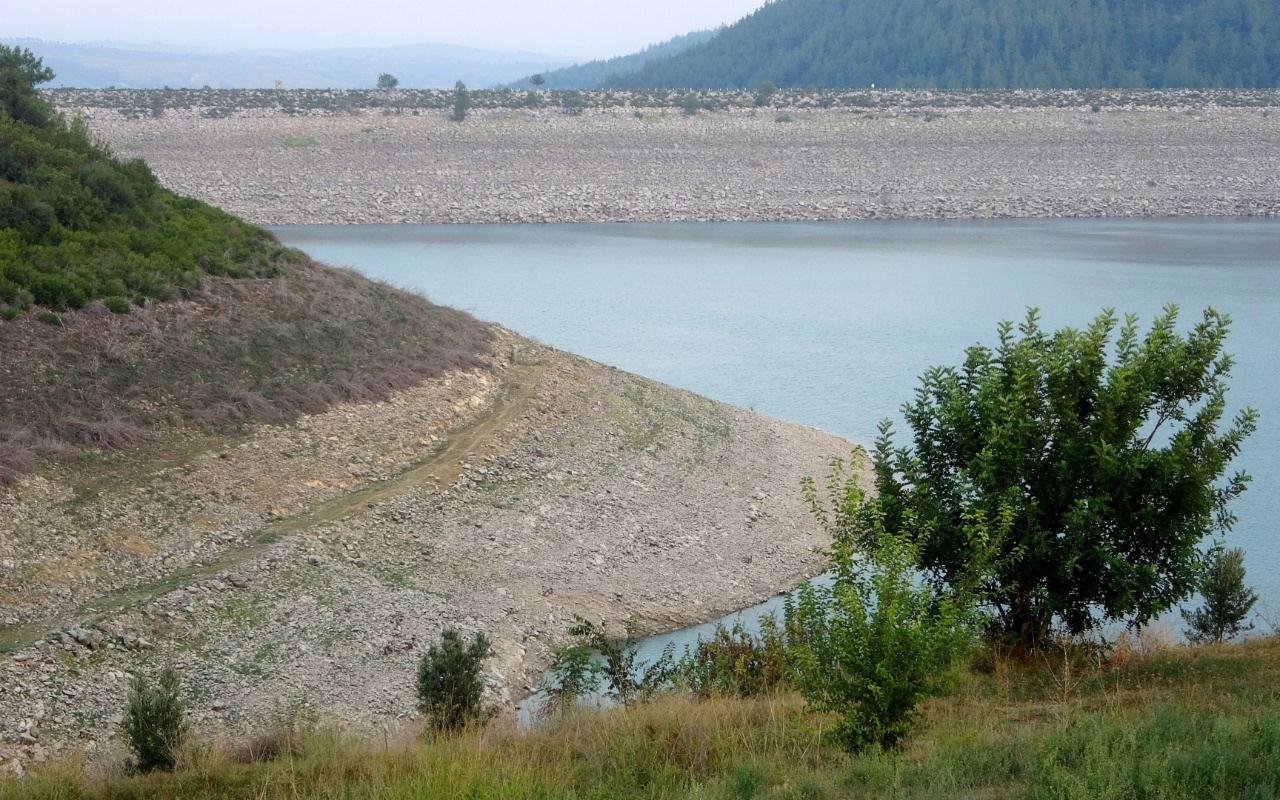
(595, 73)
(976, 44)
(944, 44)
(424, 66)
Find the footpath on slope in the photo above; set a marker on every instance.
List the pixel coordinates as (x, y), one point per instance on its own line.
(311, 565)
(281, 167)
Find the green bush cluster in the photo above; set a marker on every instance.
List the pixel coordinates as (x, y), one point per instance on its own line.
(77, 224)
(155, 723)
(450, 688)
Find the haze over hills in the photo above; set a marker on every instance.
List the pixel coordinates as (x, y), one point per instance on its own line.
(958, 44)
(422, 66)
(595, 73)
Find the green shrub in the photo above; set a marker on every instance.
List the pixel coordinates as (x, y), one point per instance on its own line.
(878, 641)
(461, 102)
(573, 102)
(748, 781)
(1227, 601)
(299, 141)
(50, 318)
(735, 662)
(574, 673)
(450, 689)
(154, 722)
(10, 313)
(628, 679)
(116, 304)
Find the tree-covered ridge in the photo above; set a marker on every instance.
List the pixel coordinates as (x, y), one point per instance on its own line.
(77, 224)
(595, 73)
(984, 44)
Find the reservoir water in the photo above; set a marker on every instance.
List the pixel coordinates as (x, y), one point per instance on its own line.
(831, 324)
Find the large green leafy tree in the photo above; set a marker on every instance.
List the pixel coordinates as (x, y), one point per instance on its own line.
(1111, 457)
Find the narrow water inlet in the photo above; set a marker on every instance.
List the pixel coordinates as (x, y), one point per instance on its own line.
(650, 648)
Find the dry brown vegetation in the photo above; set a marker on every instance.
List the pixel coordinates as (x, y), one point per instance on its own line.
(239, 351)
(1136, 722)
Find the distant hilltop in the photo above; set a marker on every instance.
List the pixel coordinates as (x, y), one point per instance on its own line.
(993, 44)
(421, 66)
(594, 74)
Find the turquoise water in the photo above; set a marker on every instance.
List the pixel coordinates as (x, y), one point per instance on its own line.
(831, 324)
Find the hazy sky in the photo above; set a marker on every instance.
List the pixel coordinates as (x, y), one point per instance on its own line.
(577, 28)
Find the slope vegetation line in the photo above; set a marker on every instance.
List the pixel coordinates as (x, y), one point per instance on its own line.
(320, 558)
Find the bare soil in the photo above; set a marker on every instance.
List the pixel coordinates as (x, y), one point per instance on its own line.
(890, 161)
(309, 565)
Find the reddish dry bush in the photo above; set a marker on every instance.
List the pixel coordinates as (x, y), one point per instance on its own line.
(110, 434)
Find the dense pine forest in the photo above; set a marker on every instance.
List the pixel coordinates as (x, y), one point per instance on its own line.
(984, 44)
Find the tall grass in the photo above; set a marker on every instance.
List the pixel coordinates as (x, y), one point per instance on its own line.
(1173, 724)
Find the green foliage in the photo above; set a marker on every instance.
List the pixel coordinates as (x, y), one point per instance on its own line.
(574, 674)
(734, 662)
(77, 224)
(387, 81)
(692, 103)
(966, 44)
(1173, 753)
(536, 79)
(50, 318)
(299, 141)
(450, 689)
(628, 679)
(1107, 453)
(879, 641)
(116, 304)
(573, 102)
(1227, 601)
(20, 73)
(461, 102)
(748, 781)
(765, 93)
(154, 722)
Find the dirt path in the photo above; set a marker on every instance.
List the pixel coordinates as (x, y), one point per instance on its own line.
(312, 564)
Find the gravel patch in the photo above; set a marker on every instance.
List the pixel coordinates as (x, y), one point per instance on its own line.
(310, 565)
(610, 164)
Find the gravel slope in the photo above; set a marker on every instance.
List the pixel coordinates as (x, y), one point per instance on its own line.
(619, 164)
(313, 563)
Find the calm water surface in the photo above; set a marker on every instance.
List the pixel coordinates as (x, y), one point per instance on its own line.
(831, 324)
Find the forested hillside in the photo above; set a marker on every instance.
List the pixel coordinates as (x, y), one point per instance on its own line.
(125, 308)
(594, 73)
(77, 224)
(989, 44)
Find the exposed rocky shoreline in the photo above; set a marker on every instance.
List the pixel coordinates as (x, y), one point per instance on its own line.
(893, 156)
(310, 565)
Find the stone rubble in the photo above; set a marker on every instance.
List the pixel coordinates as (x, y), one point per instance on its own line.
(270, 577)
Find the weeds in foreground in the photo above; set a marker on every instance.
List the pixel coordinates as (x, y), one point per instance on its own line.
(1171, 723)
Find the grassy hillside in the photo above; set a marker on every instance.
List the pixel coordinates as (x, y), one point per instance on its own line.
(964, 44)
(1174, 724)
(128, 309)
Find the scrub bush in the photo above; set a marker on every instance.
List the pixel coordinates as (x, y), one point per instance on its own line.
(879, 640)
(450, 689)
(1227, 601)
(154, 723)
